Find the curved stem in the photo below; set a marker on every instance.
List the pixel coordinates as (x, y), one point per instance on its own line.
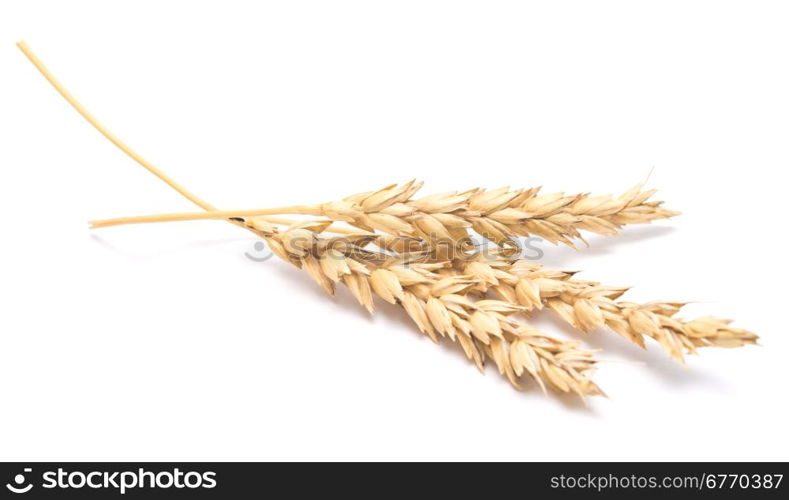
(213, 214)
(105, 131)
(28, 52)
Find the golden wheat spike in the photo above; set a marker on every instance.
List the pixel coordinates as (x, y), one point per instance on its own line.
(435, 303)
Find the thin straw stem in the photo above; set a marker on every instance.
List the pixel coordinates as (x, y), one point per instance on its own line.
(106, 132)
(41, 67)
(213, 214)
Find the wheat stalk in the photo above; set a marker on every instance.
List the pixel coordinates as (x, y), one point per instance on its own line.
(443, 296)
(587, 305)
(438, 305)
(500, 215)
(483, 328)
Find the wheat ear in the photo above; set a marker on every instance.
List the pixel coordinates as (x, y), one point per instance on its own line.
(438, 305)
(587, 305)
(425, 295)
(500, 215)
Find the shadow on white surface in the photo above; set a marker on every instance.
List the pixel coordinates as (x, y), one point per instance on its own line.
(158, 251)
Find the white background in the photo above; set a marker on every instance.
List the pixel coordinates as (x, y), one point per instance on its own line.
(164, 342)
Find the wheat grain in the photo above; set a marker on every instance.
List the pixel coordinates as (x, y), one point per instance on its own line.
(438, 304)
(587, 305)
(500, 215)
(438, 294)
